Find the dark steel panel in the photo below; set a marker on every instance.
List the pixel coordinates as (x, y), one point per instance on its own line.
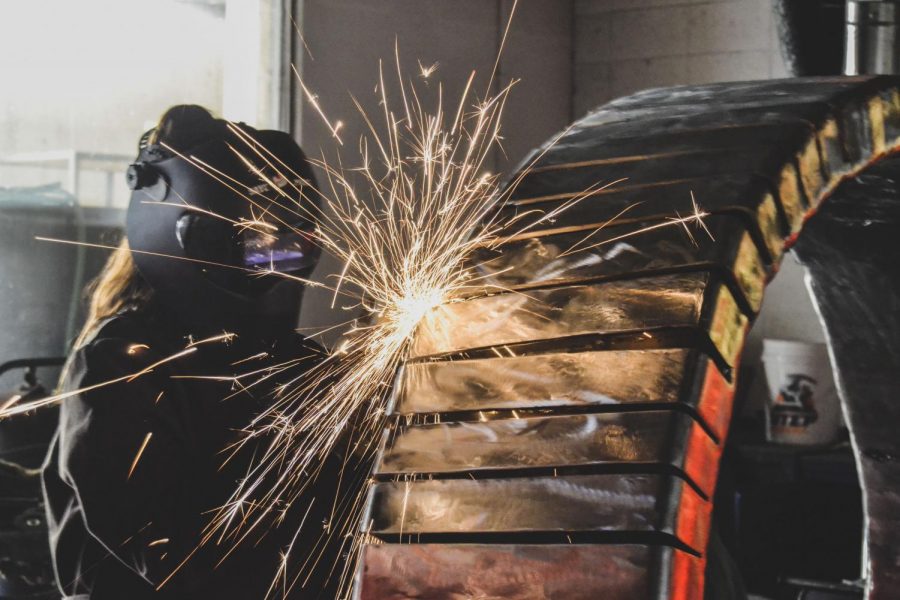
(754, 93)
(850, 248)
(747, 160)
(749, 197)
(584, 145)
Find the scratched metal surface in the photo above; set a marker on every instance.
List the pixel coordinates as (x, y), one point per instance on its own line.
(613, 250)
(565, 504)
(560, 379)
(664, 300)
(630, 437)
(512, 572)
(852, 253)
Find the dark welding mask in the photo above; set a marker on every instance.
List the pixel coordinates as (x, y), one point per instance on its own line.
(222, 231)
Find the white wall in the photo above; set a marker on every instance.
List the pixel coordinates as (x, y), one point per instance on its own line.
(623, 46)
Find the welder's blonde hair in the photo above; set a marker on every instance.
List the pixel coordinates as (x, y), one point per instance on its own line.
(116, 287)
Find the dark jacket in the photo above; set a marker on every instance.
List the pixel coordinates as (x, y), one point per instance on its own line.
(120, 528)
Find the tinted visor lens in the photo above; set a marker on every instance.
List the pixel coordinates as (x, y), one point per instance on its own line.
(286, 251)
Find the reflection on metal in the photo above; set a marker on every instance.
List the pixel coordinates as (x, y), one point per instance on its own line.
(512, 572)
(542, 314)
(536, 442)
(871, 44)
(547, 380)
(564, 504)
(620, 250)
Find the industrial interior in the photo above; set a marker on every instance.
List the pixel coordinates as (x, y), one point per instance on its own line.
(670, 371)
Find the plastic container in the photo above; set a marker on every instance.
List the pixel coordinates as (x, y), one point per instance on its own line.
(803, 406)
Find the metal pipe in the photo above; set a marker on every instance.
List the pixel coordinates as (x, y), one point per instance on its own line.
(872, 40)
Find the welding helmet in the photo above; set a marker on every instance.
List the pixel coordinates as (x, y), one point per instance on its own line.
(223, 230)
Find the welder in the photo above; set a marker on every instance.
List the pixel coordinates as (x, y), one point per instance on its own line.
(143, 455)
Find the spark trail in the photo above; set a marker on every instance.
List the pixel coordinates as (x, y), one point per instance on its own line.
(405, 247)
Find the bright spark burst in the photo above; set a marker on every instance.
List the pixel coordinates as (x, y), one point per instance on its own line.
(405, 249)
(405, 246)
(427, 71)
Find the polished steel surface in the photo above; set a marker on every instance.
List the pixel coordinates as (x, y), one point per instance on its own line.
(546, 380)
(508, 318)
(510, 443)
(564, 504)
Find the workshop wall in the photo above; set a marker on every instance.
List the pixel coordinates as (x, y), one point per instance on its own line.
(622, 46)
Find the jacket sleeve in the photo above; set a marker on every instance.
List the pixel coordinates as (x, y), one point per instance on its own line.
(124, 448)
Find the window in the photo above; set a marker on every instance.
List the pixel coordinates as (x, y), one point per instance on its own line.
(79, 83)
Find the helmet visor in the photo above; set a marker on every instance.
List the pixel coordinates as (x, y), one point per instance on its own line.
(288, 250)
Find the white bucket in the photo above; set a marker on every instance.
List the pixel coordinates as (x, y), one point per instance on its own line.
(803, 406)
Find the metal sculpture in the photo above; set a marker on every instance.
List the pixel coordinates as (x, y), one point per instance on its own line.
(561, 439)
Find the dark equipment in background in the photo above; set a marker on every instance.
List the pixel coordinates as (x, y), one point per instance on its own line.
(812, 33)
(25, 569)
(834, 37)
(872, 42)
(41, 296)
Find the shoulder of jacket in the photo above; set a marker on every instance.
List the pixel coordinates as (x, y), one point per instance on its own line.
(126, 325)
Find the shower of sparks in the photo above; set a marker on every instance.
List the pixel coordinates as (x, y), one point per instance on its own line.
(405, 245)
(405, 248)
(13, 409)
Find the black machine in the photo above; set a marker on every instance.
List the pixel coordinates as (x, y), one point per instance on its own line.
(25, 569)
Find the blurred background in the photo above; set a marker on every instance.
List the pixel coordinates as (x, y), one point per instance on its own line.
(82, 80)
